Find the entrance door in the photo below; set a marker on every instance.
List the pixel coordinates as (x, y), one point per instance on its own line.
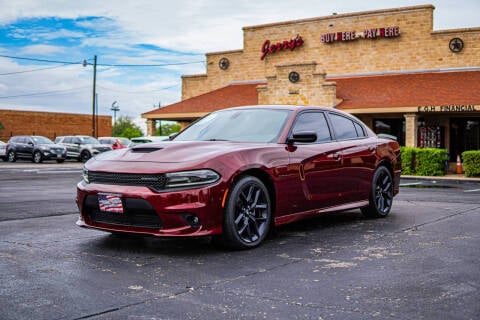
(464, 135)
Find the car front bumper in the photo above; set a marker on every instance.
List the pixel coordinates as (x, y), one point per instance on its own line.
(193, 212)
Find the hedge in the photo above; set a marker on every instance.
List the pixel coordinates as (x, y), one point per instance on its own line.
(471, 163)
(423, 161)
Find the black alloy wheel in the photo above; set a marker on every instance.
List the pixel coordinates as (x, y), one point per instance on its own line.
(12, 157)
(37, 157)
(84, 156)
(247, 214)
(381, 196)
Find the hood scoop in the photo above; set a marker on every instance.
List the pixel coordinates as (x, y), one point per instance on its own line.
(145, 149)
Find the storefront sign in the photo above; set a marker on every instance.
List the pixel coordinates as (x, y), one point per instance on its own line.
(450, 108)
(269, 48)
(371, 33)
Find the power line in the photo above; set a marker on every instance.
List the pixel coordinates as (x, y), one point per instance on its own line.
(138, 92)
(44, 93)
(40, 60)
(33, 70)
(104, 64)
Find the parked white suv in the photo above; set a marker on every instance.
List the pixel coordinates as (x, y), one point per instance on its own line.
(82, 148)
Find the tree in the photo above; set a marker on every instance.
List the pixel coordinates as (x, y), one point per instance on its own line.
(124, 127)
(167, 128)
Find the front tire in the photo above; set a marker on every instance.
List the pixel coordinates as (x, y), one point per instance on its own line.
(37, 157)
(248, 214)
(381, 194)
(84, 156)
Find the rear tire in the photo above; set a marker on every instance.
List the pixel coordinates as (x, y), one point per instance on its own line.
(381, 194)
(12, 157)
(248, 214)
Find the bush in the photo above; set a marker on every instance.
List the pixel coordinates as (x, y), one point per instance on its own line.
(423, 161)
(471, 163)
(430, 162)
(408, 160)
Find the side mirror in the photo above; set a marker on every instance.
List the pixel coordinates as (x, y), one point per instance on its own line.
(302, 137)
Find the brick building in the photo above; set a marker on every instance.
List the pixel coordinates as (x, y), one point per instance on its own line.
(388, 67)
(50, 124)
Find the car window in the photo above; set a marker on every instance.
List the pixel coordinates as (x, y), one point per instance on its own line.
(343, 127)
(313, 121)
(67, 140)
(360, 130)
(41, 140)
(87, 140)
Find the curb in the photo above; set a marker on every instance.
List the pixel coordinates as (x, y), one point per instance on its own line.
(457, 178)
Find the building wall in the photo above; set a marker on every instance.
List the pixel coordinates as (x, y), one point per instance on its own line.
(417, 48)
(50, 124)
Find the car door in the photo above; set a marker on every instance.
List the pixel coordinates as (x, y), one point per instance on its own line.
(22, 147)
(316, 166)
(67, 142)
(358, 156)
(28, 147)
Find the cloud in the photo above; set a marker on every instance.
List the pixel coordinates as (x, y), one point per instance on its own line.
(41, 49)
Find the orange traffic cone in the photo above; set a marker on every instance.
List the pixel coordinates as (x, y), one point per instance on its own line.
(459, 168)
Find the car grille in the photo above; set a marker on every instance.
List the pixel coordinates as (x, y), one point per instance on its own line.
(152, 181)
(103, 149)
(57, 150)
(137, 213)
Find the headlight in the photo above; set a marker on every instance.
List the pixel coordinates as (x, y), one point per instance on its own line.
(192, 178)
(85, 175)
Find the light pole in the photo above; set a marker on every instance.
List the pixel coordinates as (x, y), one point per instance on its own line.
(115, 107)
(94, 131)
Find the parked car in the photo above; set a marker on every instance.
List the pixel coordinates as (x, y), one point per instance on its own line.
(82, 148)
(239, 172)
(35, 148)
(147, 139)
(115, 142)
(3, 151)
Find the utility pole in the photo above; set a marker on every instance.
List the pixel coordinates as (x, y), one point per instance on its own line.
(94, 131)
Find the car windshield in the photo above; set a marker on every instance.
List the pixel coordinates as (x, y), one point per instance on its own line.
(123, 141)
(88, 140)
(41, 140)
(241, 125)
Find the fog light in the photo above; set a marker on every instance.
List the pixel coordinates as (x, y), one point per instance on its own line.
(192, 220)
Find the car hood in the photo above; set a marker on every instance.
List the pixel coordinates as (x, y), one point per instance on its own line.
(167, 155)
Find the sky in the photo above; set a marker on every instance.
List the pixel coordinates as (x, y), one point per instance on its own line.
(143, 47)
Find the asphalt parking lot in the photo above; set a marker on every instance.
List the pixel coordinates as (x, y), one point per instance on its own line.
(421, 262)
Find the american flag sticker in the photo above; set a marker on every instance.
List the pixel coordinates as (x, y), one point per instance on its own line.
(110, 203)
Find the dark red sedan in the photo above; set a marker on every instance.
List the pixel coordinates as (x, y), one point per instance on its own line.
(237, 173)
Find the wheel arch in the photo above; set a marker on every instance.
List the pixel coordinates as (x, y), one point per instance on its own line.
(266, 179)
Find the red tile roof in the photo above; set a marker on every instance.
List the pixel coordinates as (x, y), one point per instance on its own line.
(233, 95)
(413, 89)
(376, 91)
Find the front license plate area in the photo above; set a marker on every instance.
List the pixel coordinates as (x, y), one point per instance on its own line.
(108, 202)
